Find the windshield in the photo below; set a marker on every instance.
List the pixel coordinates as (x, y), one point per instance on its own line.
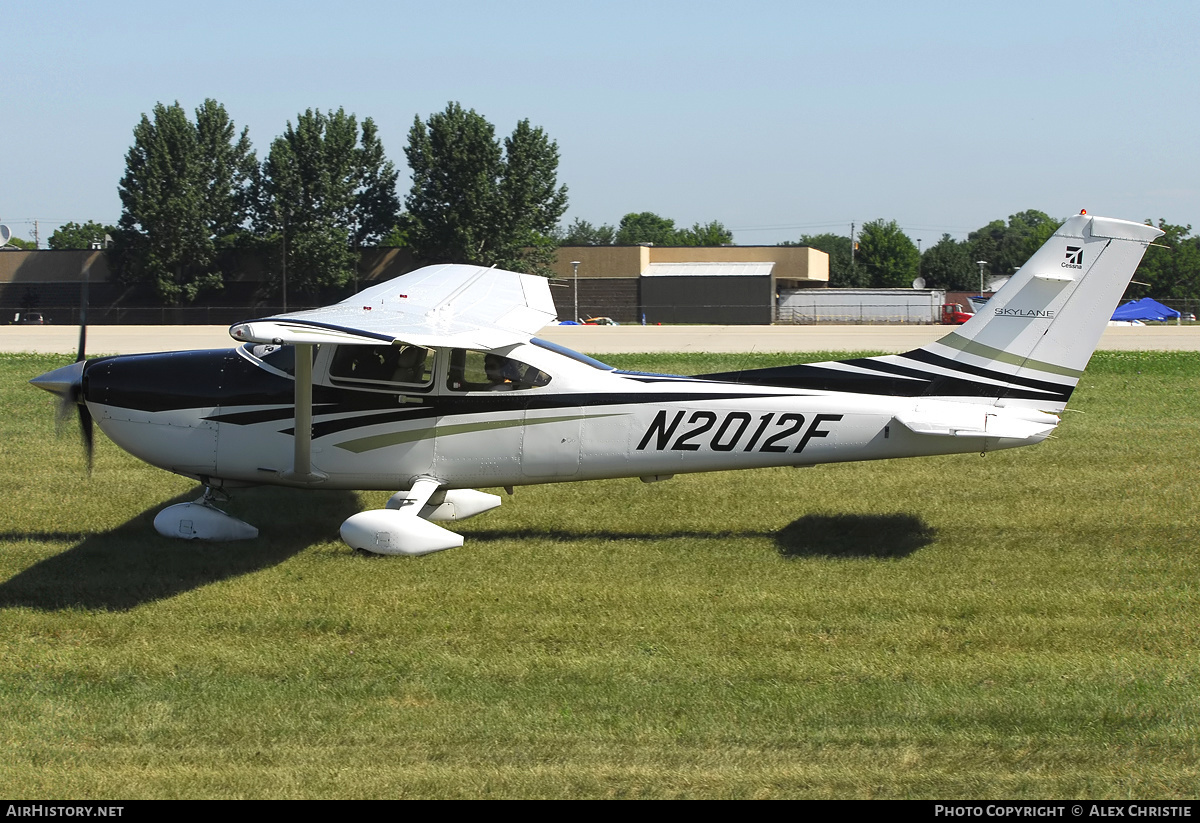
(472, 370)
(282, 358)
(571, 353)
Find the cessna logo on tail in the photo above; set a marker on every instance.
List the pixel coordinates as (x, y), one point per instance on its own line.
(1074, 258)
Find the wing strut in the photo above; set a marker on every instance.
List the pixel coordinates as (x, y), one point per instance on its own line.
(302, 471)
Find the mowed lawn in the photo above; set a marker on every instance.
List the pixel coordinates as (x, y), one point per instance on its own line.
(1018, 625)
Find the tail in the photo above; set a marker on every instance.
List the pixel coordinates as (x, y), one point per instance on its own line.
(1026, 348)
(1029, 345)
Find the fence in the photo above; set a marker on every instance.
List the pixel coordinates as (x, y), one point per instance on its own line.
(160, 316)
(848, 314)
(858, 314)
(1183, 305)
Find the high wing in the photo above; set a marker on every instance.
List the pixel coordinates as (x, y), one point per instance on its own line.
(446, 305)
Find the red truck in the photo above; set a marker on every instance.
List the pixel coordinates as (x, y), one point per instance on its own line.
(953, 314)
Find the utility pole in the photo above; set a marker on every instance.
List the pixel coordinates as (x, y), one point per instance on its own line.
(575, 267)
(851, 245)
(283, 219)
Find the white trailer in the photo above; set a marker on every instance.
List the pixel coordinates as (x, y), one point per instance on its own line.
(854, 306)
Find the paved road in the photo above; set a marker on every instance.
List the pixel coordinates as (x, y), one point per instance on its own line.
(601, 339)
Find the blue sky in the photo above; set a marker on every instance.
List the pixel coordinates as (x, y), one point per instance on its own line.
(776, 118)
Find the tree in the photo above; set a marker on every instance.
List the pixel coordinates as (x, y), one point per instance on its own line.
(325, 188)
(948, 264)
(1006, 247)
(185, 186)
(1170, 267)
(474, 200)
(889, 257)
(637, 228)
(712, 233)
(230, 168)
(1028, 231)
(842, 275)
(645, 227)
(18, 243)
(77, 236)
(377, 204)
(532, 201)
(583, 233)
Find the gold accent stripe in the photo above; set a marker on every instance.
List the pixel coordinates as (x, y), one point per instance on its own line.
(382, 441)
(955, 340)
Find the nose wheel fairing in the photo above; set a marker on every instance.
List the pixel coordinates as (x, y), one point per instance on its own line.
(202, 520)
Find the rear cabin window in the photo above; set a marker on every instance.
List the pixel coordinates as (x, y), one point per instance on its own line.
(485, 371)
(382, 366)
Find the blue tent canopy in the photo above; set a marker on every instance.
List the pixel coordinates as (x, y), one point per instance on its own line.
(1145, 309)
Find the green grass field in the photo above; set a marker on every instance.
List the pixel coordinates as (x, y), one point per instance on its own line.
(1020, 625)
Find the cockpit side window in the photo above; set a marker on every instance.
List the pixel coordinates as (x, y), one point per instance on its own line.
(382, 366)
(487, 371)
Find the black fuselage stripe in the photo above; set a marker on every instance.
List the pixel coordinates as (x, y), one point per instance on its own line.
(932, 359)
(936, 380)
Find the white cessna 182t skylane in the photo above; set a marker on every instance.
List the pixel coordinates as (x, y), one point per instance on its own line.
(433, 383)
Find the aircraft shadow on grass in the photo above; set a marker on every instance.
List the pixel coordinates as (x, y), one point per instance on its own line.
(131, 565)
(814, 535)
(854, 536)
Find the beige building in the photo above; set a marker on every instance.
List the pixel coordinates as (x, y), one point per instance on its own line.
(684, 284)
(796, 266)
(660, 284)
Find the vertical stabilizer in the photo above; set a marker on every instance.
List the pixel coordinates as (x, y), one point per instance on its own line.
(1030, 343)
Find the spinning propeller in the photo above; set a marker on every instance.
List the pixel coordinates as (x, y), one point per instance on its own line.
(67, 384)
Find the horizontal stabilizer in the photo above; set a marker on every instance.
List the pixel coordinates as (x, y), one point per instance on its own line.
(969, 420)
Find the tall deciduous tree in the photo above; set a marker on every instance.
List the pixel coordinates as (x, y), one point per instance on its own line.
(887, 254)
(184, 196)
(842, 273)
(646, 227)
(1006, 247)
(326, 187)
(230, 168)
(474, 200)
(583, 233)
(79, 235)
(948, 264)
(532, 200)
(1170, 267)
(712, 233)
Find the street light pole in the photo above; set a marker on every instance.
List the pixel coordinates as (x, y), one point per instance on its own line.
(981, 264)
(575, 267)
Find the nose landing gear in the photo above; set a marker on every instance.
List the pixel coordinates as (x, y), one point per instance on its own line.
(202, 520)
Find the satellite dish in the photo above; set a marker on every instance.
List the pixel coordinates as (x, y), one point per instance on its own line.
(919, 283)
(5, 234)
